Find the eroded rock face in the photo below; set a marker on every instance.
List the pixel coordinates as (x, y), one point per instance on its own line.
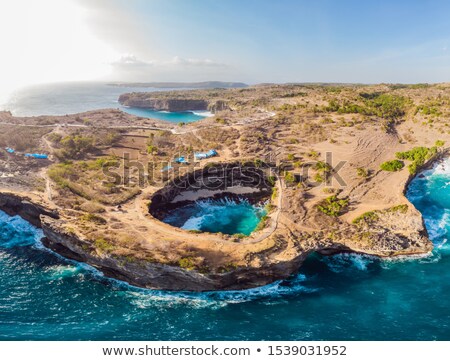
(170, 105)
(232, 180)
(13, 205)
(391, 233)
(143, 100)
(161, 276)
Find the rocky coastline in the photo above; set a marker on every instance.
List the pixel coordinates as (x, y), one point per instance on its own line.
(142, 100)
(282, 134)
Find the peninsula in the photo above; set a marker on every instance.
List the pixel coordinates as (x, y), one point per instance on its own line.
(329, 162)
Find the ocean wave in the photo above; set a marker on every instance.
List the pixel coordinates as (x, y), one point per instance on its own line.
(62, 271)
(348, 261)
(431, 257)
(202, 113)
(19, 229)
(17, 232)
(436, 225)
(193, 223)
(274, 292)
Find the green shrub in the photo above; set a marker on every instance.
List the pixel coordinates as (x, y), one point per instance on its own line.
(402, 208)
(362, 173)
(274, 193)
(289, 177)
(151, 149)
(90, 217)
(187, 263)
(417, 156)
(333, 206)
(103, 245)
(366, 217)
(322, 166)
(111, 138)
(387, 106)
(75, 146)
(262, 223)
(318, 177)
(195, 231)
(259, 163)
(392, 165)
(271, 180)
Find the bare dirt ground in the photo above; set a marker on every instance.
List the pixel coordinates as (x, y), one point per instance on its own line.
(292, 127)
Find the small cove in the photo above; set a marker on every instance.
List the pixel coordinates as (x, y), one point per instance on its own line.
(344, 297)
(217, 215)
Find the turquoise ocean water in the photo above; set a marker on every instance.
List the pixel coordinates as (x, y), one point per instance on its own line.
(223, 215)
(70, 98)
(345, 297)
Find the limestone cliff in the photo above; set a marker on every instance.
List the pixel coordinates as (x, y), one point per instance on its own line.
(170, 105)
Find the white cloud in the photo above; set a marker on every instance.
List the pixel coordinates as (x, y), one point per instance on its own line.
(130, 60)
(129, 67)
(196, 62)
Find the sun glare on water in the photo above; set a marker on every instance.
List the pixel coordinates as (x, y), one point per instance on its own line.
(48, 41)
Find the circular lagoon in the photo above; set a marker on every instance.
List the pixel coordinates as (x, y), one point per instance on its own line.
(343, 297)
(218, 215)
(224, 198)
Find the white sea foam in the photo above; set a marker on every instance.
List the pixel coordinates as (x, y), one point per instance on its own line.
(16, 224)
(202, 113)
(275, 292)
(62, 271)
(193, 223)
(436, 227)
(347, 261)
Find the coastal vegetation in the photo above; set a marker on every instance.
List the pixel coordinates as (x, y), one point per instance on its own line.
(107, 169)
(333, 206)
(417, 156)
(387, 106)
(392, 165)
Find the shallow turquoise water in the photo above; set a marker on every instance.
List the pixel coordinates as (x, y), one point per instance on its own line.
(226, 216)
(346, 297)
(70, 98)
(173, 117)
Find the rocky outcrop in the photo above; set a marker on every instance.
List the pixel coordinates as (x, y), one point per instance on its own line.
(218, 106)
(141, 100)
(279, 261)
(14, 204)
(218, 179)
(163, 276)
(146, 100)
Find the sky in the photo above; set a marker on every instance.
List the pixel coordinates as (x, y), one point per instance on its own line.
(252, 41)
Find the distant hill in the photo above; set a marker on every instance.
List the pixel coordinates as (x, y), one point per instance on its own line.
(181, 85)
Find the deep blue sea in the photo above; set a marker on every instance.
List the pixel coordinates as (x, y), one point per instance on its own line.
(345, 297)
(70, 98)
